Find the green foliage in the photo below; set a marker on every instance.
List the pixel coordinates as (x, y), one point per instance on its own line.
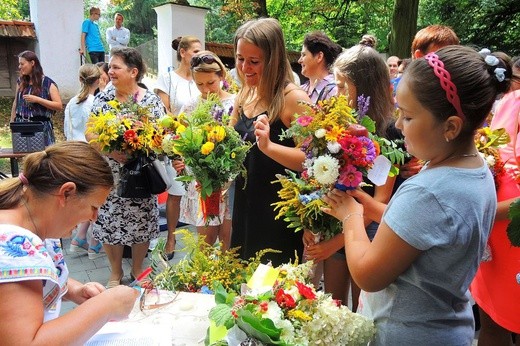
(14, 10)
(513, 229)
(493, 24)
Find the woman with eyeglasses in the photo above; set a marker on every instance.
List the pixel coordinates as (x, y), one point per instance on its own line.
(209, 73)
(265, 106)
(176, 89)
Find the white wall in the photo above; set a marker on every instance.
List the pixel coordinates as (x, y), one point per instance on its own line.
(175, 20)
(58, 29)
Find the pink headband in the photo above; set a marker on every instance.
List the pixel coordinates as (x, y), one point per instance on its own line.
(23, 179)
(446, 83)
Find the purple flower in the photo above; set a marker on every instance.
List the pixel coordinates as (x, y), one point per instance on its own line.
(362, 105)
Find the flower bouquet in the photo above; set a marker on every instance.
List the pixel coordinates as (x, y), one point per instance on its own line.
(203, 267)
(130, 128)
(278, 307)
(341, 148)
(488, 142)
(212, 150)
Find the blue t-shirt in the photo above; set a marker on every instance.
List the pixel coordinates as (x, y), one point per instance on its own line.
(447, 213)
(93, 37)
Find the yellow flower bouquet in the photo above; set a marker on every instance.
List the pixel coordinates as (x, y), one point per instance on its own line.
(213, 150)
(131, 128)
(126, 127)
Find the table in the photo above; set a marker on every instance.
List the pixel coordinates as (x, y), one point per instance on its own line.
(184, 322)
(7, 153)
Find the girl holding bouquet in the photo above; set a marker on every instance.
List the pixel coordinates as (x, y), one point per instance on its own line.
(208, 74)
(264, 107)
(359, 71)
(416, 272)
(126, 221)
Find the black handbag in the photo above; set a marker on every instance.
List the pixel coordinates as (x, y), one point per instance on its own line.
(158, 180)
(142, 177)
(27, 137)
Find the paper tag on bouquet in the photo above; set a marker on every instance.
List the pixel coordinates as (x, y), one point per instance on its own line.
(379, 171)
(263, 278)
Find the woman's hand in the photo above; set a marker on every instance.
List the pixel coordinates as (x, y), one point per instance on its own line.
(341, 204)
(178, 165)
(119, 156)
(31, 98)
(122, 299)
(308, 238)
(262, 130)
(410, 168)
(323, 250)
(89, 290)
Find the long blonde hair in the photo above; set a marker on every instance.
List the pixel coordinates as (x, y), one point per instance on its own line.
(88, 75)
(266, 34)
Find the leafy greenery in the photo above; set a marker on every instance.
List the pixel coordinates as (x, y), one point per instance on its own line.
(513, 229)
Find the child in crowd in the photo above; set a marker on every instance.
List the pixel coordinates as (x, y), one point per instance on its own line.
(416, 272)
(77, 113)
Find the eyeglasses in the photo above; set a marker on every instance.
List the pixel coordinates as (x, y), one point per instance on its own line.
(207, 59)
(152, 298)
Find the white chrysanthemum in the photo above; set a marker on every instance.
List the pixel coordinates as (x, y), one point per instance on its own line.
(326, 169)
(334, 147)
(274, 313)
(320, 133)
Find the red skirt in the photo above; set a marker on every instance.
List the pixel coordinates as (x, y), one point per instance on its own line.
(496, 287)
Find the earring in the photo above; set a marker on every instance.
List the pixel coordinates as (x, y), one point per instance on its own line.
(447, 139)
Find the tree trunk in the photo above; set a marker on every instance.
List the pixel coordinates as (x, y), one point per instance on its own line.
(261, 9)
(404, 27)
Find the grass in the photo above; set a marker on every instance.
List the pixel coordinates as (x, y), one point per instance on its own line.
(5, 132)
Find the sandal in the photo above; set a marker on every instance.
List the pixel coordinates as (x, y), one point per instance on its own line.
(80, 244)
(114, 283)
(95, 251)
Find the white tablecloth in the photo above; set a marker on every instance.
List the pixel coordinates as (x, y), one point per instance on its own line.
(184, 322)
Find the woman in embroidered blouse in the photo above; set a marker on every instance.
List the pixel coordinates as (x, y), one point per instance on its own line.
(37, 97)
(318, 54)
(59, 188)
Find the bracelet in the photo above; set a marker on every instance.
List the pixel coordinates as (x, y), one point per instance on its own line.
(349, 215)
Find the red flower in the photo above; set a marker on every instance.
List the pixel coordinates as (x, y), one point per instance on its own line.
(305, 291)
(129, 135)
(285, 300)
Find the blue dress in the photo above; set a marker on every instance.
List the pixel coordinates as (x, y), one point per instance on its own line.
(254, 226)
(26, 111)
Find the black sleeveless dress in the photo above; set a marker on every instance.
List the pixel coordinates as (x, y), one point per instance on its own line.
(254, 226)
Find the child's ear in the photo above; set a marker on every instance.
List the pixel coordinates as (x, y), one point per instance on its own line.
(453, 127)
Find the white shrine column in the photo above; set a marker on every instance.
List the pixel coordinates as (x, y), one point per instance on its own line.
(58, 30)
(174, 20)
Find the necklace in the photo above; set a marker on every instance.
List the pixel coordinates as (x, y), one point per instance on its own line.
(30, 216)
(453, 157)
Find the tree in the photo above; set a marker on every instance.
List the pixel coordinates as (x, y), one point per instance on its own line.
(404, 27)
(14, 10)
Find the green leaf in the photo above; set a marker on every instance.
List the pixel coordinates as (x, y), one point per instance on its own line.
(513, 229)
(262, 329)
(221, 315)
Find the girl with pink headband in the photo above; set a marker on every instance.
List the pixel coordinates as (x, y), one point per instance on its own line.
(416, 272)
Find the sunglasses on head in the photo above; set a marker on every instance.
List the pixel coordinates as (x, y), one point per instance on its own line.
(197, 60)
